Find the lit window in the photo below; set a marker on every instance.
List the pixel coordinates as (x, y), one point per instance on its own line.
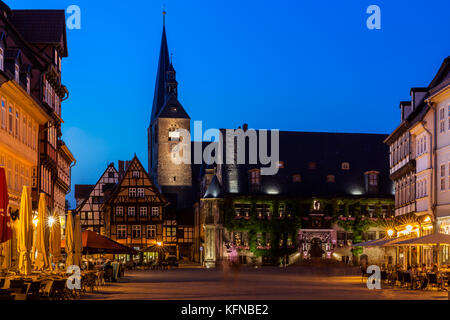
(281, 164)
(174, 135)
(136, 231)
(312, 165)
(132, 192)
(331, 178)
(155, 211)
(296, 178)
(373, 179)
(121, 232)
(3, 114)
(119, 211)
(345, 166)
(143, 211)
(131, 211)
(151, 232)
(255, 176)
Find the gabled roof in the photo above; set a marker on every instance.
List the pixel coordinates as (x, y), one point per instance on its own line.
(93, 188)
(42, 26)
(116, 189)
(442, 74)
(173, 109)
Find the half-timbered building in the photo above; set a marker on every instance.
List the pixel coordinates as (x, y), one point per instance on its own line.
(90, 209)
(133, 210)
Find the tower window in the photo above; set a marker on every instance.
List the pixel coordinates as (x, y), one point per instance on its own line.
(174, 135)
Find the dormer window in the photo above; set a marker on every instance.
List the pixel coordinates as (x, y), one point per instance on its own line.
(372, 181)
(255, 180)
(17, 73)
(345, 166)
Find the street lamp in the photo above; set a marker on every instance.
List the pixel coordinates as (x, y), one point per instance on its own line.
(51, 221)
(390, 233)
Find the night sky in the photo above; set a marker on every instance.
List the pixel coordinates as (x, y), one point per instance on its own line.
(298, 65)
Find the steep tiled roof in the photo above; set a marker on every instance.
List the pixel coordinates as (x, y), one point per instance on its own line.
(328, 151)
(173, 109)
(82, 191)
(41, 26)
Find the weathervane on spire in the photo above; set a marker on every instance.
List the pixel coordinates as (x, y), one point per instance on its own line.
(164, 14)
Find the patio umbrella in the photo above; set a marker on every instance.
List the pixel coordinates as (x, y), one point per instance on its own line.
(69, 240)
(431, 239)
(55, 240)
(78, 247)
(25, 233)
(42, 234)
(5, 219)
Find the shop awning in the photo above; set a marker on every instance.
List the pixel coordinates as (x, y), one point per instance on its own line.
(93, 243)
(384, 242)
(431, 239)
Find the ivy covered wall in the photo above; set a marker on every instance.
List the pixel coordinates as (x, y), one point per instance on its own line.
(355, 215)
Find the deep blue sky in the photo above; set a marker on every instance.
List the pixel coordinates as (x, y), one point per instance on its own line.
(292, 65)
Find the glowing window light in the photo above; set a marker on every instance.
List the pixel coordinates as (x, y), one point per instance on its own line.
(409, 228)
(427, 219)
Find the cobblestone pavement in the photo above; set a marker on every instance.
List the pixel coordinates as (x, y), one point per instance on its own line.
(267, 283)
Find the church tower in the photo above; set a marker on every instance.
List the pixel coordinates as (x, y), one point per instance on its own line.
(167, 116)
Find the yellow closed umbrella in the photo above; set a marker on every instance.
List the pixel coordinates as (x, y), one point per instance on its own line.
(42, 236)
(78, 241)
(55, 239)
(69, 239)
(25, 233)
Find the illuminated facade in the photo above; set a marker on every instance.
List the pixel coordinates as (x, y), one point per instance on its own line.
(420, 168)
(31, 149)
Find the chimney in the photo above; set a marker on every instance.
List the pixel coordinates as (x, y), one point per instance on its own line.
(245, 127)
(121, 168)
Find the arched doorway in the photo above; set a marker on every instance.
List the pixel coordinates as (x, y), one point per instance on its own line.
(316, 248)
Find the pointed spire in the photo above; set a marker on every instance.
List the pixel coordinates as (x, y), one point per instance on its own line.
(163, 67)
